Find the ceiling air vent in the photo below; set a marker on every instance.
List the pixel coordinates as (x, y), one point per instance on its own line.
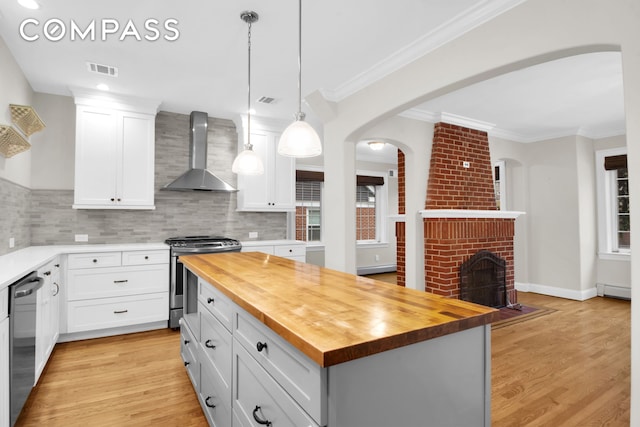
(105, 70)
(266, 100)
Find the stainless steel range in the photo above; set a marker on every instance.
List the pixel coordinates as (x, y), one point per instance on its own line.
(184, 246)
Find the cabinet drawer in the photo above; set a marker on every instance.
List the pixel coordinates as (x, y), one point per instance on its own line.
(289, 251)
(216, 302)
(117, 281)
(215, 342)
(4, 303)
(188, 352)
(103, 313)
(215, 396)
(302, 378)
(145, 257)
(92, 260)
(257, 396)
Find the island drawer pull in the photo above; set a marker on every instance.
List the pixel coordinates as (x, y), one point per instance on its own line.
(121, 281)
(187, 363)
(210, 300)
(120, 311)
(261, 346)
(258, 420)
(206, 402)
(209, 344)
(186, 342)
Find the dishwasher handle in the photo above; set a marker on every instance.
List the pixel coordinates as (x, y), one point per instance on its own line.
(27, 286)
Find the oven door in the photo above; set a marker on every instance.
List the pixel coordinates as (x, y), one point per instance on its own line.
(176, 291)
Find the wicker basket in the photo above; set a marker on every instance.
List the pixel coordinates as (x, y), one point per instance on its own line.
(26, 118)
(11, 142)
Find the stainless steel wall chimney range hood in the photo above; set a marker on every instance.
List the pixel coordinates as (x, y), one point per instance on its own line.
(198, 178)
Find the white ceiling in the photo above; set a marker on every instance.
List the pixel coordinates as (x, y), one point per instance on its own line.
(346, 45)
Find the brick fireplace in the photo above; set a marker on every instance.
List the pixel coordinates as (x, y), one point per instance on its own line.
(461, 217)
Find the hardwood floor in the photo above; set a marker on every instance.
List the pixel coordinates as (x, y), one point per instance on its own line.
(567, 368)
(127, 380)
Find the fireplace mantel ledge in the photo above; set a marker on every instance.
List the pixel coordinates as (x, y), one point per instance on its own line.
(468, 213)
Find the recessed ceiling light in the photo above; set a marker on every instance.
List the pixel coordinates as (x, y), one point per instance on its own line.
(102, 86)
(29, 4)
(376, 145)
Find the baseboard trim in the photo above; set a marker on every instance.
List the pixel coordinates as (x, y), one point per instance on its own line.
(557, 292)
(76, 336)
(376, 269)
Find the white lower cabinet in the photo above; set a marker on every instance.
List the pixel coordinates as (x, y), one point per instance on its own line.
(48, 314)
(117, 289)
(258, 398)
(4, 359)
(245, 375)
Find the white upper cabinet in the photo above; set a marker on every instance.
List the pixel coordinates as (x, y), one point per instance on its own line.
(275, 190)
(115, 153)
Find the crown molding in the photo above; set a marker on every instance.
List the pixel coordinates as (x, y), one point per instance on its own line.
(441, 35)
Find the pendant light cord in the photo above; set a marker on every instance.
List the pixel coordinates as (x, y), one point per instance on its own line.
(249, 146)
(300, 114)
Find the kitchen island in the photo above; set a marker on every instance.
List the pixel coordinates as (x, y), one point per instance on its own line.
(314, 346)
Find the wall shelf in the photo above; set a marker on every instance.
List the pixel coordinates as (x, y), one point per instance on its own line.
(11, 142)
(26, 118)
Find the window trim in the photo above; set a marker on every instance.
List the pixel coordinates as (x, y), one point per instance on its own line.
(606, 209)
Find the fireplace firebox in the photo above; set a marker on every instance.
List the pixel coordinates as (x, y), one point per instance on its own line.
(483, 280)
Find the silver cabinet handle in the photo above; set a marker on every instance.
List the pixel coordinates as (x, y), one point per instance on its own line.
(57, 291)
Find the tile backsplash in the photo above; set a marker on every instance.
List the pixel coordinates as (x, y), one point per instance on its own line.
(45, 217)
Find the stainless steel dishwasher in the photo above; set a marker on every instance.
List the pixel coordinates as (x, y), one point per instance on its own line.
(22, 340)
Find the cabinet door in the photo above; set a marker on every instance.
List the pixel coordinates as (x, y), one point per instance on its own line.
(96, 156)
(135, 172)
(275, 190)
(43, 317)
(4, 372)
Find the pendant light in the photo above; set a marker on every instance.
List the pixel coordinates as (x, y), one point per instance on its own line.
(248, 162)
(299, 139)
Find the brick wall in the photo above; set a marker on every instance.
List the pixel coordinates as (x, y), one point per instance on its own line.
(451, 185)
(400, 226)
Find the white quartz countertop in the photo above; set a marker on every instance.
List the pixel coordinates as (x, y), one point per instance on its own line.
(17, 264)
(254, 243)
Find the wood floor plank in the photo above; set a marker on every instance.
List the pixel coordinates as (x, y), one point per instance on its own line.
(567, 368)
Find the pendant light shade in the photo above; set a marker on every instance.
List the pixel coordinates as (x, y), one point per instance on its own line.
(248, 161)
(299, 139)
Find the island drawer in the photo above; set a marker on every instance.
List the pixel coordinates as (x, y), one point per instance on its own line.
(215, 396)
(188, 352)
(257, 398)
(215, 342)
(117, 281)
(302, 378)
(160, 256)
(95, 259)
(86, 315)
(216, 302)
(290, 251)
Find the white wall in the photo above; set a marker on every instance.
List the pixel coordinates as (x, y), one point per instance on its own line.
(53, 152)
(14, 89)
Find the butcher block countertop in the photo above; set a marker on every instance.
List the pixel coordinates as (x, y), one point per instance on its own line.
(330, 316)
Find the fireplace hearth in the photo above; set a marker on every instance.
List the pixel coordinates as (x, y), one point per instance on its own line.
(483, 280)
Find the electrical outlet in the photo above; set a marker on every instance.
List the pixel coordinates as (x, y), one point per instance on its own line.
(253, 234)
(466, 165)
(82, 237)
(12, 242)
(377, 257)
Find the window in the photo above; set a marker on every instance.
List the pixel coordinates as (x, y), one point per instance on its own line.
(366, 224)
(370, 205)
(614, 225)
(308, 211)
